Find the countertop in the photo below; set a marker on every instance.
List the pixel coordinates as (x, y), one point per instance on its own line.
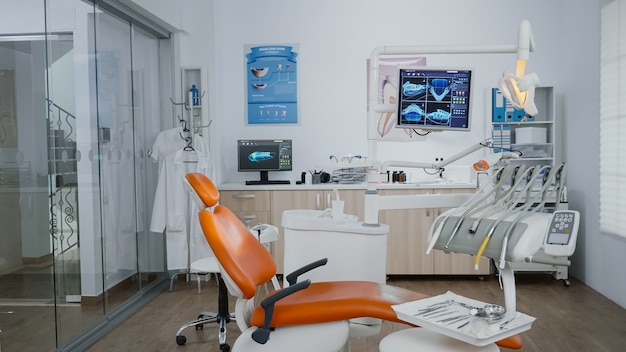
(241, 186)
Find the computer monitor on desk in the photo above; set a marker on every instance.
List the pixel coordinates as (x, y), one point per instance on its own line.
(264, 155)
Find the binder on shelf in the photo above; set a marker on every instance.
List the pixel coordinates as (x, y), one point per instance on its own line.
(503, 111)
(501, 137)
(497, 106)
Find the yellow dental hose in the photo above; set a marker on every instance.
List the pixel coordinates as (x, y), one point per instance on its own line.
(483, 245)
(549, 179)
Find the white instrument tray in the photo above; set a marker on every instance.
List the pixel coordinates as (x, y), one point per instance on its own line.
(514, 322)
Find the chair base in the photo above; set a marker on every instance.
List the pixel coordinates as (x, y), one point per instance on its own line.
(420, 339)
(206, 318)
(222, 317)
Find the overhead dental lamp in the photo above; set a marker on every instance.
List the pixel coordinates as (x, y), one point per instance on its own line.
(519, 88)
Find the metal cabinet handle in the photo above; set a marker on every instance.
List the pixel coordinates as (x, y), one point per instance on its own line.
(244, 196)
(247, 217)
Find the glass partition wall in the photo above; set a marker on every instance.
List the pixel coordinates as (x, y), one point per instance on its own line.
(80, 105)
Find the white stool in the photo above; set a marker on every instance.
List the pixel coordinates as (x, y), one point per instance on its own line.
(204, 267)
(420, 339)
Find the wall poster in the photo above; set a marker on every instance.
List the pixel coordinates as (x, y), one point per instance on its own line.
(382, 127)
(271, 84)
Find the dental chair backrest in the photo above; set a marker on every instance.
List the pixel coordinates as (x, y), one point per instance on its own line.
(204, 192)
(223, 233)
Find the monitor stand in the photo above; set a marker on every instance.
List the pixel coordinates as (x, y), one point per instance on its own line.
(265, 181)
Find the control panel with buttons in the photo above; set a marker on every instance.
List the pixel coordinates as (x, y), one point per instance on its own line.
(562, 233)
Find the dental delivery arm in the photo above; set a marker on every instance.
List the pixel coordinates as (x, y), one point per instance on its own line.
(508, 211)
(477, 200)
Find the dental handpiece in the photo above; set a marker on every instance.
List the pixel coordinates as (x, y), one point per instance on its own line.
(476, 205)
(436, 234)
(456, 229)
(524, 211)
(483, 245)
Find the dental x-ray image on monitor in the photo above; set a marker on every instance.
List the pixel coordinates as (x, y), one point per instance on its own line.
(434, 98)
(263, 155)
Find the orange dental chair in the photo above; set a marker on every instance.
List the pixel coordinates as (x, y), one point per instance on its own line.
(306, 316)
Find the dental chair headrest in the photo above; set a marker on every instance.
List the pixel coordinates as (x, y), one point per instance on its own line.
(202, 190)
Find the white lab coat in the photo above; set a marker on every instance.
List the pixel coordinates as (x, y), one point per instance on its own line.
(171, 140)
(175, 212)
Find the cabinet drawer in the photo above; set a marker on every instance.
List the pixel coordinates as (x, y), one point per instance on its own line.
(250, 201)
(251, 218)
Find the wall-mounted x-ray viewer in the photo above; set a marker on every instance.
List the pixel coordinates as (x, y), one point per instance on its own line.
(524, 83)
(434, 98)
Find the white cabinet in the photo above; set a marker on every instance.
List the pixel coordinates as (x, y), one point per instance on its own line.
(408, 232)
(456, 263)
(309, 199)
(252, 207)
(406, 241)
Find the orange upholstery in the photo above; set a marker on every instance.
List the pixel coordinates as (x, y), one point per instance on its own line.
(244, 258)
(249, 265)
(513, 342)
(322, 302)
(204, 188)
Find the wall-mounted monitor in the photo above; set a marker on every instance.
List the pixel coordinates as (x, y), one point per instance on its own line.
(262, 156)
(434, 98)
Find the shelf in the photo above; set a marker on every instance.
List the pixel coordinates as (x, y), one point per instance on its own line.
(506, 128)
(525, 123)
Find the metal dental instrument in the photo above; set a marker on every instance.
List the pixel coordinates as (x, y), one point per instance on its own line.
(503, 325)
(458, 320)
(441, 314)
(426, 312)
(453, 319)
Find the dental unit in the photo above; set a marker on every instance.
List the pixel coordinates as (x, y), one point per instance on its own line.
(524, 212)
(516, 232)
(506, 219)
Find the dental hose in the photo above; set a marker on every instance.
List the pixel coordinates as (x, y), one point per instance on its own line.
(489, 209)
(524, 213)
(473, 201)
(507, 212)
(482, 247)
(501, 177)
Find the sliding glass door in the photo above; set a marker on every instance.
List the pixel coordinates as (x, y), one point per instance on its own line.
(80, 104)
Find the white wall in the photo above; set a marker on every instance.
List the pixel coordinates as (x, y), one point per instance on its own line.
(600, 259)
(336, 37)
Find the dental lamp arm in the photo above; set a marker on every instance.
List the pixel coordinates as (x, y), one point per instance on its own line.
(438, 165)
(525, 40)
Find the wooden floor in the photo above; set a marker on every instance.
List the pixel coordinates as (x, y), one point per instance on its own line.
(574, 318)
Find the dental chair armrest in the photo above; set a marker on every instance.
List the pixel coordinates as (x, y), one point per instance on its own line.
(262, 334)
(293, 277)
